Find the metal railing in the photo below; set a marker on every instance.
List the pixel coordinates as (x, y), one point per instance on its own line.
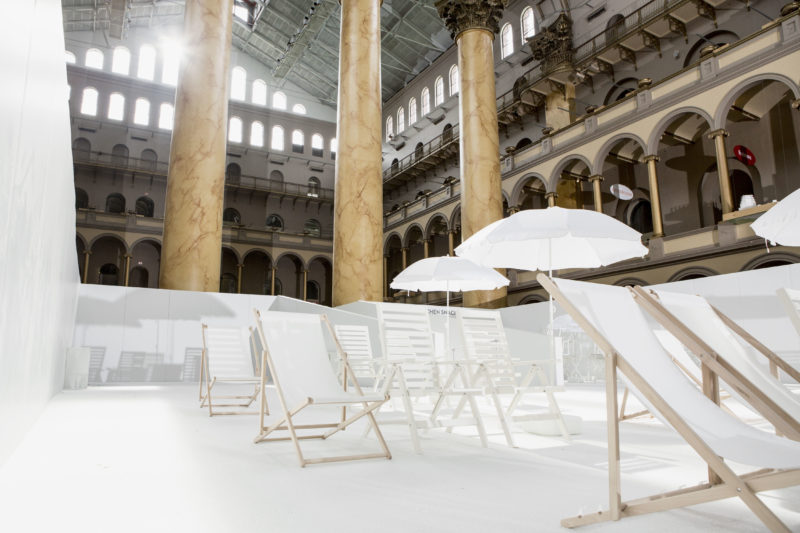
(431, 147)
(118, 162)
(289, 189)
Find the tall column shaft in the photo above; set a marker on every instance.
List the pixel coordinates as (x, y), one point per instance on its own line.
(190, 258)
(305, 285)
(239, 268)
(598, 197)
(551, 199)
(481, 193)
(127, 269)
(725, 191)
(358, 220)
(272, 281)
(451, 240)
(426, 248)
(655, 196)
(404, 251)
(86, 255)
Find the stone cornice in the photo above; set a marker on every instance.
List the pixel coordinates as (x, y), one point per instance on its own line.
(462, 15)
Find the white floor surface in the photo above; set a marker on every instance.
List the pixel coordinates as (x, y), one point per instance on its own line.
(147, 459)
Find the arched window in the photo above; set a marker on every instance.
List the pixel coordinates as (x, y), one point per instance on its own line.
(166, 115)
(412, 111)
(147, 62)
(233, 173)
(89, 102)
(389, 129)
(149, 159)
(298, 141)
(119, 155)
(276, 177)
(334, 145)
(277, 143)
(81, 199)
(259, 94)
(528, 24)
(300, 109)
(172, 64)
(145, 206)
(235, 130)
(69, 57)
(312, 291)
(115, 203)
(81, 148)
(425, 99)
(257, 134)
(231, 215)
(279, 100)
(141, 112)
(94, 58)
(238, 84)
(317, 145)
(506, 41)
(116, 106)
(401, 120)
(453, 80)
(274, 222)
(313, 187)
(121, 61)
(312, 228)
(438, 91)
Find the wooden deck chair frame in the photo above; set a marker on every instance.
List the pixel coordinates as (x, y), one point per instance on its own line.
(714, 366)
(728, 484)
(221, 404)
(489, 370)
(286, 422)
(395, 371)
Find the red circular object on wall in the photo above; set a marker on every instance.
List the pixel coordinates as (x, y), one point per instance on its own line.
(744, 155)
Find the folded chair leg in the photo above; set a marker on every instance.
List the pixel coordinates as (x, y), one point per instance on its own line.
(476, 414)
(504, 417)
(462, 402)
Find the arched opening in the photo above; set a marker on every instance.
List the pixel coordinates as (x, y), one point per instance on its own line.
(615, 27)
(256, 273)
(532, 195)
(395, 166)
(414, 242)
(109, 275)
(625, 189)
(320, 273)
(437, 237)
(149, 159)
(145, 206)
(712, 40)
(447, 133)
(313, 187)
(233, 173)
(312, 291)
(146, 256)
(119, 155)
(274, 222)
(290, 274)
(573, 188)
(419, 151)
(81, 198)
(276, 178)
(115, 203)
(139, 277)
(522, 143)
(641, 217)
(231, 216)
(228, 281)
(763, 138)
(81, 148)
(620, 90)
(312, 228)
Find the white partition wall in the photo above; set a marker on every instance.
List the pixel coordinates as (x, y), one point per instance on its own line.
(38, 269)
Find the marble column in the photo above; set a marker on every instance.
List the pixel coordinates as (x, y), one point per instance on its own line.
(473, 24)
(305, 285)
(405, 257)
(192, 246)
(655, 196)
(358, 208)
(86, 254)
(426, 248)
(725, 191)
(551, 199)
(451, 241)
(239, 268)
(127, 268)
(272, 281)
(596, 180)
(385, 277)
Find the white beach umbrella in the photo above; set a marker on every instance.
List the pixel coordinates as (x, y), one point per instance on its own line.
(449, 274)
(553, 238)
(781, 223)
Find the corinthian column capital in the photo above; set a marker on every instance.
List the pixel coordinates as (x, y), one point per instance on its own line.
(462, 15)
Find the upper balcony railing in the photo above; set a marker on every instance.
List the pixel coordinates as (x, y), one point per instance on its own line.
(130, 164)
(431, 148)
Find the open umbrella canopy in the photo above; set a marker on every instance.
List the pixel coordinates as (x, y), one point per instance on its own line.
(781, 223)
(553, 238)
(452, 274)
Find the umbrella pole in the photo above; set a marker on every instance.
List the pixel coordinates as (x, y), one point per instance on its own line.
(552, 330)
(447, 324)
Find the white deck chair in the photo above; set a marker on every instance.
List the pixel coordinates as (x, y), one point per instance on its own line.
(355, 342)
(297, 358)
(411, 371)
(486, 348)
(705, 330)
(619, 327)
(790, 299)
(226, 358)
